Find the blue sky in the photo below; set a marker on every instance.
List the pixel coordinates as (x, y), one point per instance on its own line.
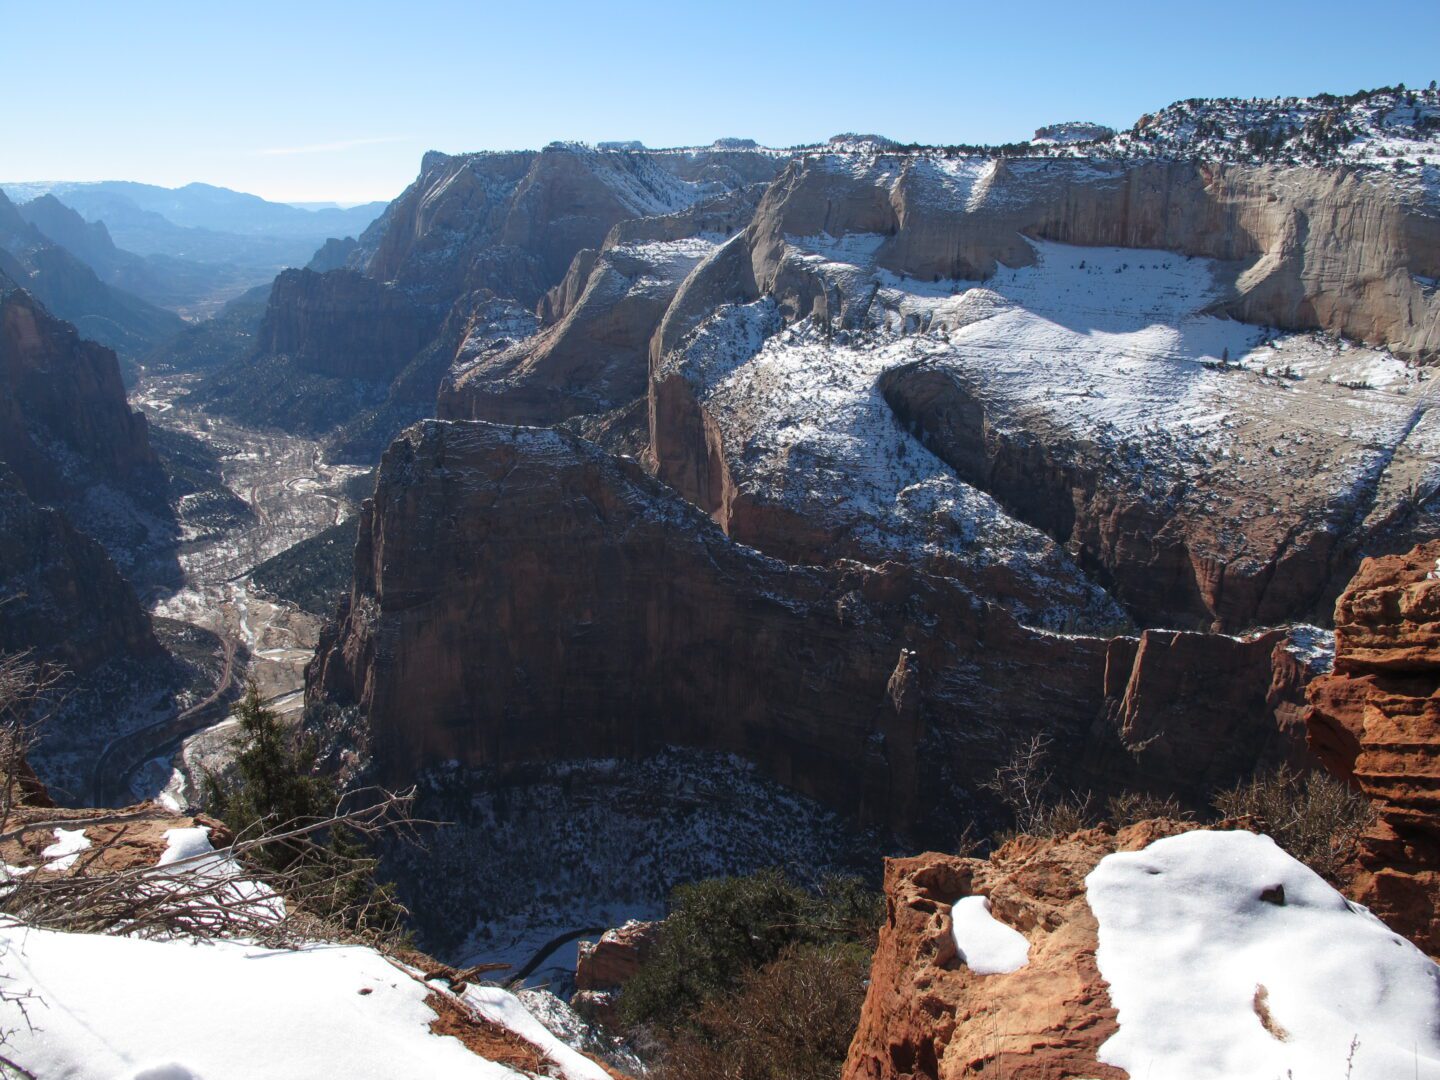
(320, 101)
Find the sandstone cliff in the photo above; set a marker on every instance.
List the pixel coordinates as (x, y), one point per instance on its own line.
(1376, 720)
(64, 422)
(520, 595)
(342, 324)
(1088, 385)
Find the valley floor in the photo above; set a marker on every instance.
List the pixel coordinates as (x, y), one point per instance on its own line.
(292, 494)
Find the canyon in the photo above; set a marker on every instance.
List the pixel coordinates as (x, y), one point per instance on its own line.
(733, 506)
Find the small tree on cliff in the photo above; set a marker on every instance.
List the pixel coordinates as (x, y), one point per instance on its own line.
(276, 789)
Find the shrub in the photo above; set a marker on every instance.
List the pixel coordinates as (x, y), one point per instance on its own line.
(721, 931)
(793, 1019)
(1130, 807)
(1313, 816)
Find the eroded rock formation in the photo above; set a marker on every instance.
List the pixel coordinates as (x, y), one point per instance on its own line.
(928, 1016)
(1007, 313)
(1376, 721)
(521, 595)
(64, 422)
(604, 966)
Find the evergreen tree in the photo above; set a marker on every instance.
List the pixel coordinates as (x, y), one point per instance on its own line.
(330, 873)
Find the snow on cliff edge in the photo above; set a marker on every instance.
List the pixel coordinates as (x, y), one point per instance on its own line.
(1229, 960)
(114, 1008)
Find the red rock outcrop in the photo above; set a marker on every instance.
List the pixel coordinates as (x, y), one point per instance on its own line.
(520, 595)
(610, 962)
(603, 967)
(1376, 721)
(927, 1016)
(1209, 706)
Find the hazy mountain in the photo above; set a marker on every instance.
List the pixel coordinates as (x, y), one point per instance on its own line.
(71, 290)
(204, 206)
(182, 285)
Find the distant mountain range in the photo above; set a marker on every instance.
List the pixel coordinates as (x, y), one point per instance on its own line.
(196, 206)
(188, 249)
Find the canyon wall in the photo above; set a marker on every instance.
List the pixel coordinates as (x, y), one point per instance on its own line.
(1333, 249)
(65, 424)
(1338, 250)
(521, 595)
(343, 324)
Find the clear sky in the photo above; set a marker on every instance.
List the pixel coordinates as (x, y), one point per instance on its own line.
(312, 100)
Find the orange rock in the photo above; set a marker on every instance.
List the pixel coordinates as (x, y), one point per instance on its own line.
(928, 1015)
(1376, 721)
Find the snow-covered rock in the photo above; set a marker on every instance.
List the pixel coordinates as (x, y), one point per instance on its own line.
(1227, 959)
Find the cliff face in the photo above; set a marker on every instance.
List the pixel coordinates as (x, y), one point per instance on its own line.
(70, 451)
(61, 597)
(520, 595)
(1376, 721)
(342, 324)
(65, 424)
(513, 222)
(593, 357)
(590, 355)
(1329, 249)
(1051, 332)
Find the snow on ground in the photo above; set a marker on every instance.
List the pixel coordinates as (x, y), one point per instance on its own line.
(1229, 960)
(102, 1008)
(987, 946)
(504, 1008)
(69, 843)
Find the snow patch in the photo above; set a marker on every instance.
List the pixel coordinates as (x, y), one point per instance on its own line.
(98, 1010)
(1228, 959)
(504, 1008)
(987, 945)
(69, 843)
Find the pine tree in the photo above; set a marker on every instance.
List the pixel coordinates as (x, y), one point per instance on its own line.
(276, 788)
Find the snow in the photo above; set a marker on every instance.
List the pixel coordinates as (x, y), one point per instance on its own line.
(1312, 646)
(1112, 353)
(112, 1008)
(189, 851)
(1197, 963)
(987, 946)
(69, 843)
(504, 1008)
(185, 844)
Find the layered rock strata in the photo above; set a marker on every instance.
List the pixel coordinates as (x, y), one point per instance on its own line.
(1060, 338)
(1376, 722)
